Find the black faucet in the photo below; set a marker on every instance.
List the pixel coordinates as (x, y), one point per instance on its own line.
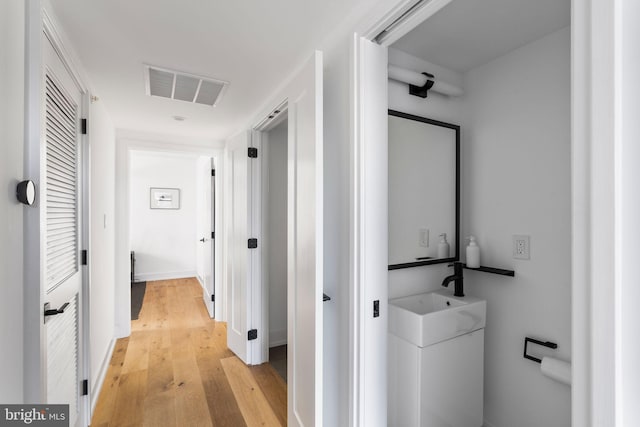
(457, 277)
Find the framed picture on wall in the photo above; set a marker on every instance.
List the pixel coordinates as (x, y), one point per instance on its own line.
(165, 198)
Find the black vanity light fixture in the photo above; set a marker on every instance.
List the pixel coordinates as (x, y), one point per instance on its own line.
(423, 90)
(26, 192)
(421, 83)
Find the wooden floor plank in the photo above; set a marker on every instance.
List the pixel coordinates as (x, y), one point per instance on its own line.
(253, 404)
(107, 398)
(274, 389)
(129, 410)
(160, 411)
(160, 363)
(191, 403)
(169, 371)
(160, 399)
(223, 407)
(137, 358)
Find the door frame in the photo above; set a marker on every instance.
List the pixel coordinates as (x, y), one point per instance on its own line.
(597, 393)
(259, 223)
(290, 95)
(41, 22)
(366, 282)
(126, 142)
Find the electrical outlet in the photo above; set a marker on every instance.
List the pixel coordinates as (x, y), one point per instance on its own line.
(521, 247)
(423, 237)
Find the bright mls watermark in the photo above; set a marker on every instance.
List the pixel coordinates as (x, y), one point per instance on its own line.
(34, 415)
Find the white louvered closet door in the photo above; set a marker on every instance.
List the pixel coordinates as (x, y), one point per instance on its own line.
(61, 204)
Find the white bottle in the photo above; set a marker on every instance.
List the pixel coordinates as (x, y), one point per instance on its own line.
(443, 246)
(473, 253)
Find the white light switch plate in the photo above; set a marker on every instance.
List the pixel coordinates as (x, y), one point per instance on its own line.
(423, 237)
(521, 246)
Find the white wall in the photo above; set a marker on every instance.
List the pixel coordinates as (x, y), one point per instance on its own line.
(516, 180)
(416, 280)
(12, 34)
(102, 235)
(277, 233)
(164, 240)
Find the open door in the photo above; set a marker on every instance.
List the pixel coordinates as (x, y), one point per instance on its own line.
(239, 290)
(206, 231)
(305, 246)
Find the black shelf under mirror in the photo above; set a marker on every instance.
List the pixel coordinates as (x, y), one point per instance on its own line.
(492, 270)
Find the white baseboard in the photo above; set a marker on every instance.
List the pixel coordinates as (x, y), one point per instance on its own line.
(487, 424)
(277, 338)
(104, 366)
(148, 277)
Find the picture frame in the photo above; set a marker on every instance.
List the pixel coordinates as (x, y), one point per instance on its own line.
(164, 198)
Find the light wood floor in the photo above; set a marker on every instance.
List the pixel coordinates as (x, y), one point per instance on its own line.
(176, 370)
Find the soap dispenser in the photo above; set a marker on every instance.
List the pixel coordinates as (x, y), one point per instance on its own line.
(473, 253)
(443, 246)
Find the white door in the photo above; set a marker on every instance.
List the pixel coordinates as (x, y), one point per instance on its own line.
(305, 246)
(238, 283)
(61, 205)
(206, 231)
(369, 348)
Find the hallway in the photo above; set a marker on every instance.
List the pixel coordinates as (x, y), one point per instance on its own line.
(176, 370)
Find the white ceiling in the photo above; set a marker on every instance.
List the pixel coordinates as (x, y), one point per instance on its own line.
(254, 45)
(469, 33)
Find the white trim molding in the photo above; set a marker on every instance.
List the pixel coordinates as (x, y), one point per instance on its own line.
(102, 373)
(605, 209)
(167, 275)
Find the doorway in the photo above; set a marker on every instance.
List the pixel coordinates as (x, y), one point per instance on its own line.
(127, 148)
(274, 257)
(493, 95)
(247, 320)
(173, 221)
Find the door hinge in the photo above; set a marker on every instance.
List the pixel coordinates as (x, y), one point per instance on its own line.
(85, 387)
(253, 243)
(213, 234)
(253, 152)
(84, 257)
(213, 172)
(213, 298)
(83, 126)
(252, 334)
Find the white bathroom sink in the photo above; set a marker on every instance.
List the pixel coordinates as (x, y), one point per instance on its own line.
(429, 318)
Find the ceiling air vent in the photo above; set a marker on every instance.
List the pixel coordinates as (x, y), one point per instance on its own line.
(183, 87)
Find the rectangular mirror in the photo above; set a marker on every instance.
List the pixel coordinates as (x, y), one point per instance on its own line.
(424, 191)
